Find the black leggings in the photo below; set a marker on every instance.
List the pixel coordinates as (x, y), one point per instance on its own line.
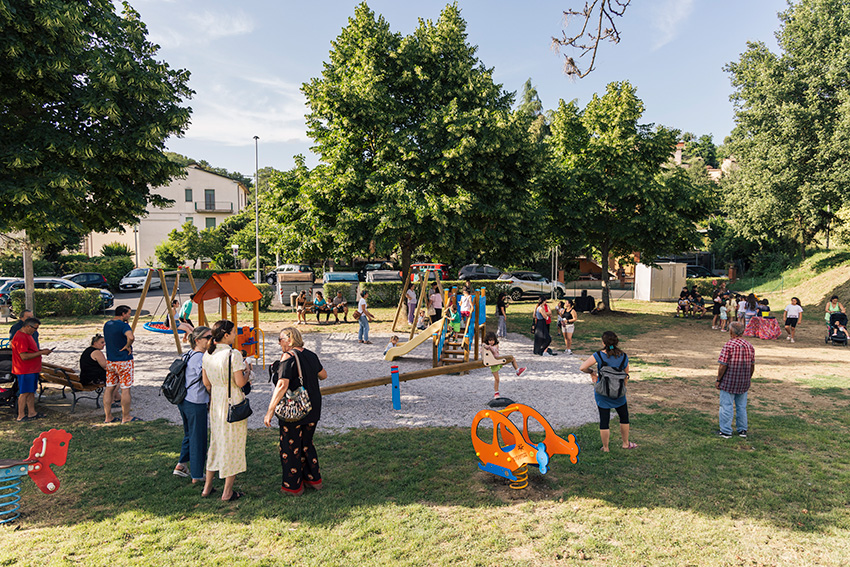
(605, 416)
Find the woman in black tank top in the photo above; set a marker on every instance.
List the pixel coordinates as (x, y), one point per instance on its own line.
(93, 362)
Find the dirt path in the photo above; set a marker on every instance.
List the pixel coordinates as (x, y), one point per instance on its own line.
(788, 376)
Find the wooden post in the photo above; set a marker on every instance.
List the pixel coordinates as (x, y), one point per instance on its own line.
(145, 289)
(223, 308)
(422, 290)
(191, 280)
(171, 314)
(401, 301)
(176, 285)
(233, 313)
(202, 317)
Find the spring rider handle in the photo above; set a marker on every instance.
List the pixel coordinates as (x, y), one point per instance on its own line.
(49, 448)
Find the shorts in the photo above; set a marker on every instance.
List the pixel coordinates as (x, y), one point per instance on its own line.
(791, 322)
(27, 383)
(465, 314)
(119, 372)
(715, 309)
(569, 328)
(495, 368)
(456, 327)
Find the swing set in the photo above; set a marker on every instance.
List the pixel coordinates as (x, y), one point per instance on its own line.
(170, 324)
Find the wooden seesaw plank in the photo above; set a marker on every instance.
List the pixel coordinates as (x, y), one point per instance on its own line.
(414, 375)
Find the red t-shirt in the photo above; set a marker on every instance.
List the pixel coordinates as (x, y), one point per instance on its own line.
(23, 342)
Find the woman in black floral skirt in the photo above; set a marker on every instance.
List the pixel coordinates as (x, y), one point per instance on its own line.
(298, 458)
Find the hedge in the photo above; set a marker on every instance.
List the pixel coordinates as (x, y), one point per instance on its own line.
(348, 289)
(268, 294)
(706, 286)
(60, 302)
(387, 294)
(113, 268)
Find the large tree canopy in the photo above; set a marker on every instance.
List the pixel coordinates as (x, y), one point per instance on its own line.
(419, 145)
(85, 109)
(615, 188)
(792, 138)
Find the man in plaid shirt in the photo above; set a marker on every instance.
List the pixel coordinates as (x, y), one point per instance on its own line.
(737, 362)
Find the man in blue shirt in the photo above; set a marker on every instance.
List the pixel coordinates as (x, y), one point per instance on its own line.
(119, 363)
(25, 314)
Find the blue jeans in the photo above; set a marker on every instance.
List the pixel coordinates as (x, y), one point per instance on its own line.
(502, 328)
(363, 331)
(194, 448)
(739, 401)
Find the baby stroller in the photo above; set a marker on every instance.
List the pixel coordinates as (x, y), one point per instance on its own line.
(8, 381)
(837, 331)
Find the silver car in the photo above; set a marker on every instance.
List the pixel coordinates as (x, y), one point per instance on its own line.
(135, 279)
(523, 284)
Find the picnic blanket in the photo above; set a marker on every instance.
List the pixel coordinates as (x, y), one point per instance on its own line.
(767, 328)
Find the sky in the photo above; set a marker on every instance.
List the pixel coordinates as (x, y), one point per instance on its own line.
(249, 59)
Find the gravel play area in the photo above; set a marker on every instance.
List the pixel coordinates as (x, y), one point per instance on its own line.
(551, 385)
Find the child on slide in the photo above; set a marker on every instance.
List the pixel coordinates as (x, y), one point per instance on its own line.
(491, 343)
(393, 343)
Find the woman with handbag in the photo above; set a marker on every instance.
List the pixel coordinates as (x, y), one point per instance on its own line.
(610, 358)
(224, 375)
(297, 403)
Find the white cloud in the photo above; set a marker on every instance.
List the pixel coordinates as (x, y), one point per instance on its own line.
(668, 17)
(200, 28)
(246, 107)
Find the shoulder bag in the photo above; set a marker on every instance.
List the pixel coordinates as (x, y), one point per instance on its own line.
(242, 410)
(295, 404)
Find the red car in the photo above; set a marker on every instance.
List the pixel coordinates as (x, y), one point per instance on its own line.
(437, 268)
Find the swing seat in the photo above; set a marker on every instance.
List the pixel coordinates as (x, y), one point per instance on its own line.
(157, 327)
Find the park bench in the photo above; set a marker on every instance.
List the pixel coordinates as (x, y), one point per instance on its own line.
(68, 379)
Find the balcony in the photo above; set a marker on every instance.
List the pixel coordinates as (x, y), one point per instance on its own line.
(214, 207)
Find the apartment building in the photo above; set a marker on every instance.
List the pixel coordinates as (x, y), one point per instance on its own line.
(202, 198)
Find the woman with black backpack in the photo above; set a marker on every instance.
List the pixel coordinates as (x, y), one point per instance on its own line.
(609, 387)
(194, 410)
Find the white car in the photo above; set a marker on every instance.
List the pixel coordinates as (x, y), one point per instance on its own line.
(532, 284)
(135, 279)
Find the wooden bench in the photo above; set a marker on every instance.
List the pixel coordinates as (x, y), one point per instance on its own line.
(68, 379)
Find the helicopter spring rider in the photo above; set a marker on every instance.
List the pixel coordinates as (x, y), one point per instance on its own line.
(511, 459)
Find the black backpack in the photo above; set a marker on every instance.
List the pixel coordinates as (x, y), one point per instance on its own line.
(610, 381)
(273, 372)
(174, 385)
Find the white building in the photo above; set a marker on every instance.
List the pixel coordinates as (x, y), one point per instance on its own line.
(202, 198)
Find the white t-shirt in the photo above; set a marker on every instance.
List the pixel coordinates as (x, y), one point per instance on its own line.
(437, 300)
(411, 295)
(466, 303)
(793, 311)
(742, 306)
(361, 305)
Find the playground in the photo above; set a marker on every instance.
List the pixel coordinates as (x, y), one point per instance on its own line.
(404, 487)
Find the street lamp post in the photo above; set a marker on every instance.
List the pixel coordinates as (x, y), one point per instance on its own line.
(235, 248)
(257, 210)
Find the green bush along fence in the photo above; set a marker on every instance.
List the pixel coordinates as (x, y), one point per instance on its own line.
(706, 286)
(60, 302)
(387, 294)
(349, 291)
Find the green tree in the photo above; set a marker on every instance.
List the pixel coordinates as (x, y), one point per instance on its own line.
(702, 148)
(792, 138)
(614, 185)
(188, 243)
(419, 147)
(85, 109)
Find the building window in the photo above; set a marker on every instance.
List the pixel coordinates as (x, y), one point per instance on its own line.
(188, 195)
(209, 199)
(190, 220)
(210, 222)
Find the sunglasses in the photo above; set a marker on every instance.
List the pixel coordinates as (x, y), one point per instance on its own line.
(207, 337)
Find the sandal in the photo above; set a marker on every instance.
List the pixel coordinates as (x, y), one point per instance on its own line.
(208, 494)
(180, 470)
(236, 495)
(631, 446)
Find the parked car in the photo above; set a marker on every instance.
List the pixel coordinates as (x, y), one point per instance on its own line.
(435, 267)
(88, 279)
(699, 272)
(524, 283)
(383, 276)
(135, 279)
(106, 297)
(478, 272)
(271, 277)
(372, 266)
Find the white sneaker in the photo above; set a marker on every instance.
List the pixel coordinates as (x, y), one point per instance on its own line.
(569, 351)
(788, 337)
(793, 341)
(545, 353)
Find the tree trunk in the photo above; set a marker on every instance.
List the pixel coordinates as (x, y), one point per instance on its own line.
(606, 292)
(29, 284)
(406, 255)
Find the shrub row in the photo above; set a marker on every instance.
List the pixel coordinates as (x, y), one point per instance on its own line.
(113, 268)
(706, 286)
(349, 291)
(59, 302)
(268, 294)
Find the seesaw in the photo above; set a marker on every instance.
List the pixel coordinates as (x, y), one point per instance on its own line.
(487, 360)
(510, 457)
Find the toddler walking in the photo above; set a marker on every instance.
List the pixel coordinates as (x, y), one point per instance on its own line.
(491, 343)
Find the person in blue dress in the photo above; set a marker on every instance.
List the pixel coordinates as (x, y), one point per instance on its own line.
(611, 355)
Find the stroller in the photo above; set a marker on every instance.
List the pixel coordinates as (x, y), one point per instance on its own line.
(837, 330)
(8, 381)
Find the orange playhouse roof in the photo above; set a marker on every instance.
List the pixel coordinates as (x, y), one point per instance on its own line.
(234, 285)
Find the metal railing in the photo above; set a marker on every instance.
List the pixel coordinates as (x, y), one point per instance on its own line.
(214, 207)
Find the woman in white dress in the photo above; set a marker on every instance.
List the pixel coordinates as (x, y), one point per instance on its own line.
(227, 440)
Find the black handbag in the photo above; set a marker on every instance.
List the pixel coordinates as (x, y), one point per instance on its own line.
(242, 410)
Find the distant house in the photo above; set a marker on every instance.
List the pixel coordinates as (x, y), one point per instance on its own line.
(202, 198)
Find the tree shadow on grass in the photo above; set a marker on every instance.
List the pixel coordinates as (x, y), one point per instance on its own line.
(785, 473)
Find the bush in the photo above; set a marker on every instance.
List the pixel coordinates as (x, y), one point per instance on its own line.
(268, 294)
(387, 294)
(349, 291)
(114, 249)
(113, 268)
(59, 302)
(706, 286)
(13, 266)
(492, 288)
